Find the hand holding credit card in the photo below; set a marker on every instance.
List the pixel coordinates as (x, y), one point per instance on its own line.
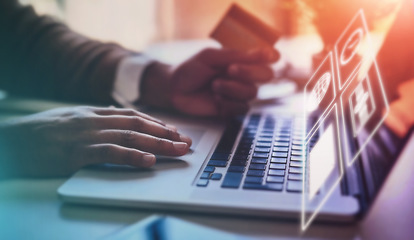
(240, 30)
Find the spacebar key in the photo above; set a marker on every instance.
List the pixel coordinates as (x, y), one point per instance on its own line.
(232, 180)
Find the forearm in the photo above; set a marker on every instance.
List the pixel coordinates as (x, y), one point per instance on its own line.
(43, 58)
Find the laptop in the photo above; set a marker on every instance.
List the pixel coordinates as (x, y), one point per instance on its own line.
(283, 159)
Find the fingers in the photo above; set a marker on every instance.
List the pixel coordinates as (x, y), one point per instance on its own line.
(138, 124)
(125, 112)
(224, 57)
(143, 142)
(234, 90)
(111, 153)
(250, 72)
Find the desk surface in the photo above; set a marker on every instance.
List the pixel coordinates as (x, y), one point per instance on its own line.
(31, 209)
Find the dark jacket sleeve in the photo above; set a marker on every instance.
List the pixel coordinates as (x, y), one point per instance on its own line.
(42, 58)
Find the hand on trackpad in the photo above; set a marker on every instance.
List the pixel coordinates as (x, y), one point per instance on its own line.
(195, 134)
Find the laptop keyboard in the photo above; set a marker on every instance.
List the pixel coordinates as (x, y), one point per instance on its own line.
(268, 155)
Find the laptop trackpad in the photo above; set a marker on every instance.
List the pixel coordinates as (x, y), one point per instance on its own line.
(195, 134)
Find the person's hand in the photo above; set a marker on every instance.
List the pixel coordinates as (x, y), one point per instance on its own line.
(60, 141)
(213, 82)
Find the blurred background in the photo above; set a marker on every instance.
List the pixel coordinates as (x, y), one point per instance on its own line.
(309, 28)
(137, 23)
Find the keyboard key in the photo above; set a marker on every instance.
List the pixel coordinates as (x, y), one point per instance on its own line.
(294, 186)
(295, 176)
(263, 144)
(277, 166)
(238, 163)
(268, 128)
(249, 131)
(209, 169)
(296, 158)
(296, 147)
(246, 142)
(202, 183)
(255, 173)
(282, 139)
(236, 169)
(296, 164)
(281, 144)
(244, 152)
(268, 186)
(280, 149)
(257, 166)
(282, 135)
(244, 145)
(205, 175)
(260, 155)
(247, 139)
(297, 142)
(252, 127)
(250, 179)
(216, 176)
(268, 140)
(217, 163)
(266, 135)
(296, 153)
(229, 136)
(279, 154)
(295, 170)
(249, 134)
(240, 157)
(220, 156)
(268, 131)
(232, 180)
(278, 160)
(274, 172)
(263, 150)
(259, 160)
(278, 179)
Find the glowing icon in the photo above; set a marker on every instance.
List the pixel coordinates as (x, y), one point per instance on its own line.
(350, 49)
(351, 46)
(320, 89)
(362, 105)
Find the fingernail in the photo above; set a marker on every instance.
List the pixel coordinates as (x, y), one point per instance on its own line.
(179, 145)
(233, 69)
(148, 159)
(186, 139)
(172, 127)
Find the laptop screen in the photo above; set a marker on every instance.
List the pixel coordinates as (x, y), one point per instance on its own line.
(351, 101)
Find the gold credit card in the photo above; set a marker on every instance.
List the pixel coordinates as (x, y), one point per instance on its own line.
(241, 30)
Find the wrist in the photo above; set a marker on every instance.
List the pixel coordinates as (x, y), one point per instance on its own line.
(156, 85)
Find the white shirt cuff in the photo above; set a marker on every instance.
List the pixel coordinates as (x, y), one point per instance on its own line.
(128, 79)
